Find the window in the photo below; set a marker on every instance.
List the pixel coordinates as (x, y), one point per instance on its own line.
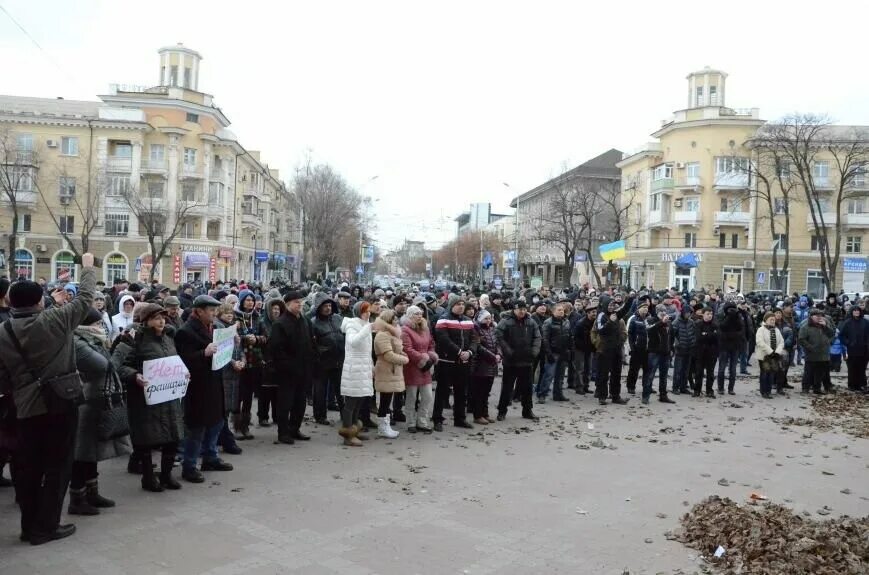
(692, 170)
(155, 189)
(818, 243)
(662, 172)
(66, 224)
(781, 282)
(188, 230)
(699, 95)
(734, 241)
(722, 241)
(25, 142)
(691, 240)
(780, 242)
(784, 170)
(854, 244)
(187, 85)
(21, 178)
(215, 194)
(67, 187)
(23, 264)
(117, 185)
(116, 267)
(190, 157)
(122, 150)
(152, 224)
(779, 205)
(157, 152)
(691, 204)
(723, 204)
(23, 223)
(117, 224)
(732, 279)
(856, 206)
(821, 170)
(69, 146)
(655, 202)
(188, 192)
(192, 117)
(713, 95)
(173, 75)
(730, 165)
(858, 176)
(815, 284)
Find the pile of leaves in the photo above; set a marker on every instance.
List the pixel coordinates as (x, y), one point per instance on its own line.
(772, 540)
(844, 410)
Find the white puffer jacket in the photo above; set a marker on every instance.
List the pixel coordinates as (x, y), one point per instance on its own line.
(356, 374)
(121, 321)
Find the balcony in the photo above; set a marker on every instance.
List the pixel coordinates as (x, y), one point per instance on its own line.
(659, 219)
(23, 198)
(21, 157)
(252, 190)
(731, 181)
(662, 185)
(191, 171)
(150, 166)
(686, 218)
(856, 220)
(119, 164)
(823, 183)
(250, 220)
(732, 218)
(829, 218)
(216, 174)
(689, 184)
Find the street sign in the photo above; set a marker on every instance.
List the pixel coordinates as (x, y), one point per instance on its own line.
(761, 277)
(138, 264)
(498, 281)
(536, 282)
(360, 270)
(516, 275)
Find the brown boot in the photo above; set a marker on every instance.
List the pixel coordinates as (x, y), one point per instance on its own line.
(360, 431)
(349, 435)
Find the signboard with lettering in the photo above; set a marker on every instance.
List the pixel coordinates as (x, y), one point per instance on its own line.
(165, 379)
(761, 277)
(673, 256)
(536, 282)
(854, 264)
(212, 270)
(176, 268)
(224, 339)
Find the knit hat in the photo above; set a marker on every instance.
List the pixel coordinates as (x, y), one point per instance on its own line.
(25, 293)
(660, 308)
(418, 300)
(413, 310)
(360, 307)
(71, 289)
(92, 317)
(453, 300)
(483, 315)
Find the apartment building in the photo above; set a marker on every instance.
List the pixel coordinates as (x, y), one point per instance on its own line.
(109, 169)
(693, 190)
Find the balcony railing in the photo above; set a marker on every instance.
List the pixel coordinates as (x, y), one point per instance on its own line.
(686, 218)
(659, 218)
(119, 164)
(823, 182)
(248, 219)
(22, 198)
(150, 166)
(729, 218)
(829, 218)
(731, 181)
(662, 184)
(191, 170)
(857, 220)
(689, 183)
(22, 157)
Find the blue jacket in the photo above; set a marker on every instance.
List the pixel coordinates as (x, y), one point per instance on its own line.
(637, 337)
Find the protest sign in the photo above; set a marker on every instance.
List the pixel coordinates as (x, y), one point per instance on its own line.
(224, 339)
(167, 379)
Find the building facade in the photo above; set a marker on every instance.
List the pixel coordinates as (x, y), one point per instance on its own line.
(696, 190)
(104, 168)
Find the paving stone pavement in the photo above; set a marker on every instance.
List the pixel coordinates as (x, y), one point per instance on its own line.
(510, 498)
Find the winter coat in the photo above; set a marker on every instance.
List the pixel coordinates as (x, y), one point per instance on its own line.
(658, 335)
(854, 333)
(291, 346)
(231, 378)
(100, 379)
(328, 337)
(121, 320)
(150, 425)
(453, 335)
(707, 339)
(485, 363)
(815, 340)
(763, 343)
(637, 336)
(557, 340)
(731, 329)
(46, 338)
(519, 341)
(266, 325)
(612, 334)
(186, 300)
(388, 369)
(356, 372)
(833, 310)
(684, 336)
(419, 347)
(203, 404)
(249, 323)
(747, 324)
(582, 334)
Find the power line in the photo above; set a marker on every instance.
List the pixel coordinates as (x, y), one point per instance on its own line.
(35, 43)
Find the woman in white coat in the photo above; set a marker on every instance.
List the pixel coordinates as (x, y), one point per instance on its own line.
(124, 318)
(357, 373)
(770, 351)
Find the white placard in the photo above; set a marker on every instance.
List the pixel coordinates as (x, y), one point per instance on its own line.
(167, 379)
(224, 339)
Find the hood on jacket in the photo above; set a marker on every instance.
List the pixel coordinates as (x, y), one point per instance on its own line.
(729, 307)
(603, 302)
(243, 295)
(267, 316)
(125, 298)
(320, 299)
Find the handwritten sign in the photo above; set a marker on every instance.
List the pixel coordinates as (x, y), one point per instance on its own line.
(167, 379)
(224, 339)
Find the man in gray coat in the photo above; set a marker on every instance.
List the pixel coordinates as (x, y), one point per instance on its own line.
(46, 423)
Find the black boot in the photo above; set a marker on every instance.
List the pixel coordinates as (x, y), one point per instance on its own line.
(78, 503)
(93, 495)
(167, 461)
(149, 480)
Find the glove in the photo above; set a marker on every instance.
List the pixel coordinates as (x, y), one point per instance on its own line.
(427, 366)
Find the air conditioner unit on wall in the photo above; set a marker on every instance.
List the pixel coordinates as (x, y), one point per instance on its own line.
(51, 143)
(748, 264)
(680, 165)
(41, 248)
(64, 200)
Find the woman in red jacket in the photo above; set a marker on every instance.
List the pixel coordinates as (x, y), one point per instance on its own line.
(419, 347)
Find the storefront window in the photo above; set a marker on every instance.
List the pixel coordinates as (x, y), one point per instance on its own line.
(24, 264)
(64, 268)
(116, 267)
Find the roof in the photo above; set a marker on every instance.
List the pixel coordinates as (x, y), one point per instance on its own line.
(58, 108)
(602, 166)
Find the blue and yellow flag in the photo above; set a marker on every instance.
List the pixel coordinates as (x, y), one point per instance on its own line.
(613, 251)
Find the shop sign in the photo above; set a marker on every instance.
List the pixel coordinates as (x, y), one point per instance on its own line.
(212, 271)
(673, 256)
(854, 264)
(262, 255)
(196, 259)
(226, 253)
(176, 268)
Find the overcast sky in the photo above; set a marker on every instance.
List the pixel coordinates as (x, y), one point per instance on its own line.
(446, 101)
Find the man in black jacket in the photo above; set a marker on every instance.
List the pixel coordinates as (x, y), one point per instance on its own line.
(455, 347)
(329, 342)
(658, 336)
(638, 343)
(732, 336)
(557, 349)
(612, 334)
(518, 337)
(705, 351)
(584, 348)
(292, 347)
(203, 404)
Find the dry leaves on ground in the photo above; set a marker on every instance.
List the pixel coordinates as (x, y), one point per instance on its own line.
(771, 540)
(846, 410)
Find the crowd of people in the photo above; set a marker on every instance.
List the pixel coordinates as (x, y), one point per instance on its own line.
(73, 385)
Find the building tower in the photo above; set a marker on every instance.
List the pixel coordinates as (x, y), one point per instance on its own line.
(179, 67)
(706, 88)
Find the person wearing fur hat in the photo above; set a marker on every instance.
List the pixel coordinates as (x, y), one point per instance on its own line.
(485, 367)
(388, 367)
(248, 326)
(356, 372)
(267, 392)
(40, 341)
(418, 344)
(329, 343)
(105, 321)
(456, 348)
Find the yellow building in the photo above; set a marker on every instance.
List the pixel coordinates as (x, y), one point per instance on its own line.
(102, 169)
(694, 191)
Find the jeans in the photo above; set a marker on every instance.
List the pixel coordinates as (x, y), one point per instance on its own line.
(582, 362)
(226, 439)
(201, 440)
(767, 379)
(661, 363)
(457, 376)
(43, 464)
(553, 376)
(743, 359)
(681, 369)
(518, 377)
(725, 358)
(639, 360)
(419, 417)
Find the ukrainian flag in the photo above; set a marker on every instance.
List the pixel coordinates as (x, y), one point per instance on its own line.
(613, 251)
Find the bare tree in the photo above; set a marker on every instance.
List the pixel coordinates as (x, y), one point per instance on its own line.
(824, 160)
(83, 200)
(158, 221)
(19, 166)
